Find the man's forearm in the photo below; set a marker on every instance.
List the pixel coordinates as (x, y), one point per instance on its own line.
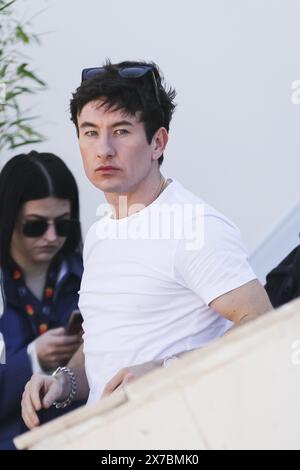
(245, 319)
(77, 365)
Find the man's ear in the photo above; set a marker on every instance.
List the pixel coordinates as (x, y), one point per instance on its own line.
(159, 142)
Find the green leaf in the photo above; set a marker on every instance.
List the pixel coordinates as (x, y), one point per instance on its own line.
(20, 34)
(16, 125)
(27, 142)
(7, 5)
(18, 91)
(28, 130)
(3, 70)
(23, 72)
(18, 121)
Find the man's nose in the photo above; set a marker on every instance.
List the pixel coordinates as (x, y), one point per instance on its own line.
(105, 147)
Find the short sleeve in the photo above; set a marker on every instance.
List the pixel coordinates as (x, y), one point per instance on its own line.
(219, 265)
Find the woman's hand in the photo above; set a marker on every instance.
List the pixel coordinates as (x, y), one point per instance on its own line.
(54, 348)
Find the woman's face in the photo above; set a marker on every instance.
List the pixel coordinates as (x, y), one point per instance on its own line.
(27, 250)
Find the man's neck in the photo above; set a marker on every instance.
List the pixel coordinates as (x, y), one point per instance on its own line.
(126, 203)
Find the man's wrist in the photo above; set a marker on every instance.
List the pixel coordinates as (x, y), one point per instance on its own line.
(66, 377)
(64, 381)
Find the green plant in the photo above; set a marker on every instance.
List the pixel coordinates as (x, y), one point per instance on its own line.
(17, 79)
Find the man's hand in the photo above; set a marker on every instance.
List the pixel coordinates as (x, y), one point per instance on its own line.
(41, 392)
(54, 348)
(128, 374)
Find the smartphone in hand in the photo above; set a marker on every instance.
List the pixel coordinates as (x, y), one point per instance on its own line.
(74, 326)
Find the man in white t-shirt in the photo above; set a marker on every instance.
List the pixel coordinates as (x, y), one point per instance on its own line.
(164, 273)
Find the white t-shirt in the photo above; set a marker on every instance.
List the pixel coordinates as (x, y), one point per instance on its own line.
(149, 279)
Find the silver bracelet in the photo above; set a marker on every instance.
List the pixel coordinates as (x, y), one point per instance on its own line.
(70, 398)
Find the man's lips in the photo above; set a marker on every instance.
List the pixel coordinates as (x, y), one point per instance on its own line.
(104, 169)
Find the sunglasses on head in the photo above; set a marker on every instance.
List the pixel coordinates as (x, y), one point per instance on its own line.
(37, 228)
(124, 72)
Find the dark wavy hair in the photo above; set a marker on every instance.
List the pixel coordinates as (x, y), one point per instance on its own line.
(129, 94)
(31, 176)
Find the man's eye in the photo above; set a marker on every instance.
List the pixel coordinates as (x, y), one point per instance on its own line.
(121, 131)
(91, 133)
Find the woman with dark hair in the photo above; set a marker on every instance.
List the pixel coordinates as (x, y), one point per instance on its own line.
(41, 268)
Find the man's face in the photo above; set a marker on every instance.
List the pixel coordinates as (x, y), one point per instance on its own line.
(116, 154)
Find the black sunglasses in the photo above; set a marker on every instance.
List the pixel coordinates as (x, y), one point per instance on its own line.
(125, 72)
(37, 228)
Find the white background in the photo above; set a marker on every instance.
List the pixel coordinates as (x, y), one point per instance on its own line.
(235, 137)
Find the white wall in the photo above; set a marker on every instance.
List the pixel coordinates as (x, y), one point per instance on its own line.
(235, 135)
(273, 250)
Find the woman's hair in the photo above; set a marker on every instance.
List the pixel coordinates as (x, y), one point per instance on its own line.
(32, 176)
